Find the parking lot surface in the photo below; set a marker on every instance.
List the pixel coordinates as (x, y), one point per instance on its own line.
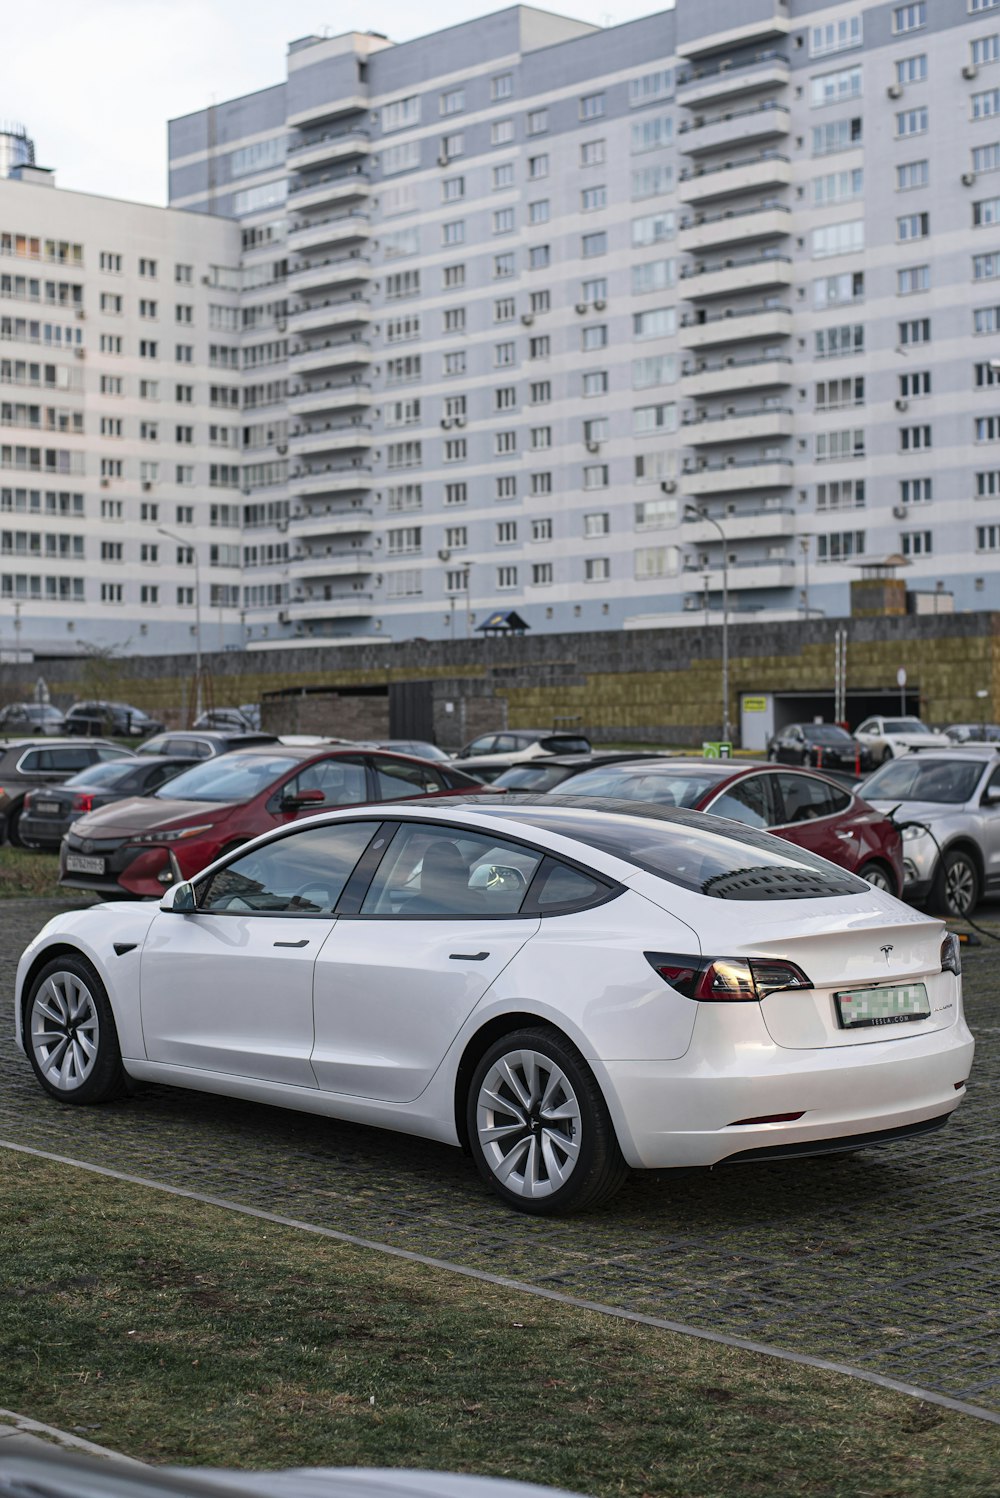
(886, 1259)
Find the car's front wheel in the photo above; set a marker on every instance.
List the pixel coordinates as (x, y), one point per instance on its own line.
(70, 1035)
(956, 886)
(878, 876)
(539, 1128)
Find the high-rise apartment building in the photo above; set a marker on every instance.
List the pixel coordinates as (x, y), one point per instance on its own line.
(120, 512)
(590, 324)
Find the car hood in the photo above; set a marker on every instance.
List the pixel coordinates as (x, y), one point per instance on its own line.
(919, 811)
(139, 814)
(921, 740)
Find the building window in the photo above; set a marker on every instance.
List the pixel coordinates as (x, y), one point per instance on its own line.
(594, 244)
(913, 278)
(915, 384)
(503, 266)
(916, 491)
(835, 36)
(501, 132)
(452, 102)
(911, 69)
(593, 153)
(503, 175)
(595, 382)
(538, 213)
(916, 543)
(834, 88)
(541, 573)
(505, 486)
(913, 226)
(985, 49)
(539, 257)
(503, 221)
(916, 330)
(538, 121)
(506, 578)
(591, 106)
(913, 439)
(911, 122)
(538, 166)
(909, 17)
(596, 569)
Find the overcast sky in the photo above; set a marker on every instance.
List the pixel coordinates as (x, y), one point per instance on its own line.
(96, 82)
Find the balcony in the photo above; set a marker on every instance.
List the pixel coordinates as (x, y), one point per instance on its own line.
(713, 82)
(330, 109)
(330, 272)
(702, 231)
(314, 522)
(333, 187)
(340, 606)
(724, 278)
(762, 524)
(340, 479)
(329, 145)
(331, 395)
(759, 423)
(330, 561)
(732, 477)
(317, 317)
(748, 174)
(770, 572)
(767, 121)
(336, 228)
(343, 354)
(329, 437)
(716, 377)
(735, 327)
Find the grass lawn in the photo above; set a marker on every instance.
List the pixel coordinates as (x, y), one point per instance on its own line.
(24, 874)
(177, 1332)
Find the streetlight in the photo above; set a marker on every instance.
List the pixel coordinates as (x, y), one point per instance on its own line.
(698, 512)
(182, 541)
(804, 542)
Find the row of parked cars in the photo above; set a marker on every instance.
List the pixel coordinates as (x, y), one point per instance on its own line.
(924, 825)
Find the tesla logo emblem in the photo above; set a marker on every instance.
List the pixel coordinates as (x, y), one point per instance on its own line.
(886, 950)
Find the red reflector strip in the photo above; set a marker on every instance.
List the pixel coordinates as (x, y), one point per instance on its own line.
(959, 1086)
(767, 1118)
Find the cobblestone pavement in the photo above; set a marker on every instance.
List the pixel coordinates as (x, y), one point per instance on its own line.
(887, 1259)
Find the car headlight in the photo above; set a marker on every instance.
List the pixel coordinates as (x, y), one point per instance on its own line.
(175, 835)
(911, 831)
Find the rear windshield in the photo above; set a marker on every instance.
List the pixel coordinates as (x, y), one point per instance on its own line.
(692, 850)
(916, 778)
(108, 773)
(565, 743)
(533, 777)
(825, 733)
(229, 777)
(664, 787)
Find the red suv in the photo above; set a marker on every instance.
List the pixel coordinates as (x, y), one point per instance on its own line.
(138, 846)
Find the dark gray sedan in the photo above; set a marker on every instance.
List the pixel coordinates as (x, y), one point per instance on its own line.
(49, 811)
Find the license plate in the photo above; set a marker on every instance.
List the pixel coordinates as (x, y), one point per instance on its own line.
(79, 863)
(882, 1006)
(46, 808)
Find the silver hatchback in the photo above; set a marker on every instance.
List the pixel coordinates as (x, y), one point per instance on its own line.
(947, 803)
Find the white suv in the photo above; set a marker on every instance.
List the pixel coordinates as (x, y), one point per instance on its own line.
(888, 738)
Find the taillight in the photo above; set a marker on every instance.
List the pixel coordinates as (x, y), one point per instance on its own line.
(727, 979)
(83, 801)
(951, 954)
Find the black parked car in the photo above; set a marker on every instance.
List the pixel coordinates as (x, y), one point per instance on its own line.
(49, 811)
(26, 764)
(821, 744)
(103, 718)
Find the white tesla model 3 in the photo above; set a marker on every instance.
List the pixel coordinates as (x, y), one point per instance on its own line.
(569, 992)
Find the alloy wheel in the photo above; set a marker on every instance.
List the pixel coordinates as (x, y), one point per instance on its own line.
(961, 885)
(528, 1122)
(65, 1031)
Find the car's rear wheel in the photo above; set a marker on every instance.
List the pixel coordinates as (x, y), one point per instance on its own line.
(539, 1128)
(70, 1035)
(956, 886)
(878, 876)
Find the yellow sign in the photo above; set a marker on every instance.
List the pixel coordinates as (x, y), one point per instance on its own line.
(755, 704)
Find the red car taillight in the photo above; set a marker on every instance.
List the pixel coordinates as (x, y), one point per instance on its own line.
(83, 801)
(728, 979)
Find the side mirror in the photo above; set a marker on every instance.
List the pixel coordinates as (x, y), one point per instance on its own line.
(991, 796)
(179, 899)
(302, 798)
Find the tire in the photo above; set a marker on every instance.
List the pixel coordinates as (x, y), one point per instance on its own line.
(572, 1163)
(70, 1034)
(13, 828)
(956, 884)
(878, 876)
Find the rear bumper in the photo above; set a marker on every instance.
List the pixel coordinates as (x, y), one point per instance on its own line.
(684, 1112)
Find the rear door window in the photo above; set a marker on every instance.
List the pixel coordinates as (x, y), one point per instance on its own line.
(803, 799)
(343, 782)
(751, 801)
(447, 871)
(395, 779)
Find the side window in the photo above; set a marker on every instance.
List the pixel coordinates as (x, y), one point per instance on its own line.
(749, 801)
(483, 745)
(559, 889)
(159, 775)
(189, 748)
(506, 743)
(101, 752)
(445, 871)
(71, 759)
(395, 778)
(34, 761)
(804, 799)
(343, 782)
(302, 874)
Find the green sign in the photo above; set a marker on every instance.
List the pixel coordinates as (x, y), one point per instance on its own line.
(717, 749)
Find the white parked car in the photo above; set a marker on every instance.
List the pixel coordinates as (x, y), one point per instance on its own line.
(888, 738)
(569, 991)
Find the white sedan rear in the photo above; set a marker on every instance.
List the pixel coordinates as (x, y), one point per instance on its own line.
(567, 992)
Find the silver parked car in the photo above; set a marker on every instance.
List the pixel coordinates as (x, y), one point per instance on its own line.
(947, 802)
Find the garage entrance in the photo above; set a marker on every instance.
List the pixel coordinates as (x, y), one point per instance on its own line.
(763, 714)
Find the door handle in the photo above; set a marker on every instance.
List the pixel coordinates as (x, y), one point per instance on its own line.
(468, 956)
(845, 837)
(303, 943)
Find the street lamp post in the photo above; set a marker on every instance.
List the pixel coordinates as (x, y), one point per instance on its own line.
(804, 544)
(697, 512)
(182, 541)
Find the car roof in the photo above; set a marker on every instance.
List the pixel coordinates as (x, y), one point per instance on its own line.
(55, 742)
